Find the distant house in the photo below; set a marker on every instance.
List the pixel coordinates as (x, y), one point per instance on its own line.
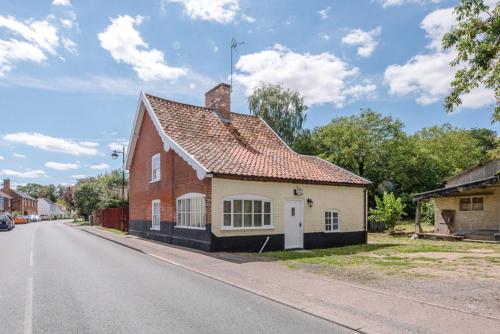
(47, 208)
(5, 202)
(469, 203)
(20, 202)
(212, 179)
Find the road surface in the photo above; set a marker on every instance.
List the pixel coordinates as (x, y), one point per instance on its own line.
(57, 279)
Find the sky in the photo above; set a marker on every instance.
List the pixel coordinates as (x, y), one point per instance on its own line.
(71, 70)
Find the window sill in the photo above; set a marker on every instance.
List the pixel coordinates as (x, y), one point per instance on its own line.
(154, 181)
(226, 228)
(190, 227)
(336, 231)
(154, 228)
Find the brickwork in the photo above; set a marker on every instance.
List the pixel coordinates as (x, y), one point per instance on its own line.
(219, 99)
(177, 178)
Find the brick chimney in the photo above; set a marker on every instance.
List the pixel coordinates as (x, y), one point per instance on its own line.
(6, 186)
(219, 100)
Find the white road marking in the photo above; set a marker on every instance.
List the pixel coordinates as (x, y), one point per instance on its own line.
(28, 311)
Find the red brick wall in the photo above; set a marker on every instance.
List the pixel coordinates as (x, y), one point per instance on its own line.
(177, 178)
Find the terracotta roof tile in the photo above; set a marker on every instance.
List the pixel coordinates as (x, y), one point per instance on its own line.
(246, 147)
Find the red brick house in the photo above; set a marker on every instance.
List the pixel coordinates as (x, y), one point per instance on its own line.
(212, 179)
(20, 201)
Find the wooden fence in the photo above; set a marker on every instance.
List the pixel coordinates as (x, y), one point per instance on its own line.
(111, 218)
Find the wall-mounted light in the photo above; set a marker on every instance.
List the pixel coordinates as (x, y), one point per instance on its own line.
(310, 202)
(298, 191)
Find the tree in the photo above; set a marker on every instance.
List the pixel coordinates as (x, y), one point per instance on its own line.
(39, 191)
(355, 142)
(476, 40)
(487, 138)
(87, 196)
(282, 109)
(388, 210)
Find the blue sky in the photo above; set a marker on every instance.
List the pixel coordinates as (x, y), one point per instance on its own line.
(71, 71)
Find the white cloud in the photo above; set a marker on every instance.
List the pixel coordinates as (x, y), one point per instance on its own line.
(28, 174)
(365, 40)
(321, 78)
(99, 166)
(1, 157)
(323, 13)
(67, 23)
(18, 155)
(248, 18)
(61, 3)
(427, 76)
(126, 45)
(221, 11)
(88, 143)
(79, 176)
(38, 38)
(395, 3)
(60, 165)
(324, 36)
(118, 146)
(70, 46)
(48, 143)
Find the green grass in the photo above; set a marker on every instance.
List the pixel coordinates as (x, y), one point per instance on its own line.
(79, 221)
(409, 226)
(385, 252)
(113, 230)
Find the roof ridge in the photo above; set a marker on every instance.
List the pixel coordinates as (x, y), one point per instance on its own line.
(177, 102)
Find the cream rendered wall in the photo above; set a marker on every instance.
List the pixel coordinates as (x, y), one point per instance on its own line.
(488, 219)
(348, 200)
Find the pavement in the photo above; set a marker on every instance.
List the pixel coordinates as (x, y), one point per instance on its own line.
(58, 279)
(352, 306)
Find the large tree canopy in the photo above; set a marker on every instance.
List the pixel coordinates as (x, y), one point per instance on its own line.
(283, 109)
(476, 38)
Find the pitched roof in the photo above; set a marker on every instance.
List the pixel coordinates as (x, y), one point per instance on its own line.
(4, 195)
(245, 148)
(23, 194)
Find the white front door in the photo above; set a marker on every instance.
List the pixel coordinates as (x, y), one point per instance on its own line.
(294, 224)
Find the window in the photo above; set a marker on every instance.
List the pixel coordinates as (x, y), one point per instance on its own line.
(155, 168)
(246, 212)
(332, 220)
(471, 204)
(155, 215)
(191, 211)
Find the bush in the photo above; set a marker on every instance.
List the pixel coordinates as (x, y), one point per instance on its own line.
(427, 215)
(388, 210)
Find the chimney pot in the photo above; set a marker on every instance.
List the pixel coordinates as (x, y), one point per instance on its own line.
(219, 100)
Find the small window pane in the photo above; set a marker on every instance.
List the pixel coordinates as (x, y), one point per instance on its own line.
(237, 206)
(267, 219)
(477, 203)
(257, 220)
(227, 219)
(257, 207)
(227, 206)
(293, 212)
(267, 207)
(248, 220)
(248, 206)
(465, 204)
(237, 220)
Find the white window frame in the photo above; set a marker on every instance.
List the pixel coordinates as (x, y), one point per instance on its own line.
(244, 197)
(154, 226)
(471, 199)
(200, 211)
(156, 172)
(331, 230)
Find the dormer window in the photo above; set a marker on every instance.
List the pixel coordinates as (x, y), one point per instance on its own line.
(155, 168)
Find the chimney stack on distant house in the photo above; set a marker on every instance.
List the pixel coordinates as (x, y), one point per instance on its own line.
(6, 186)
(219, 100)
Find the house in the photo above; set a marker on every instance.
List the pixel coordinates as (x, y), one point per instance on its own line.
(5, 199)
(216, 180)
(469, 203)
(20, 202)
(47, 208)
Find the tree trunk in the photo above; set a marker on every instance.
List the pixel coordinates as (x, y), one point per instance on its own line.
(418, 227)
